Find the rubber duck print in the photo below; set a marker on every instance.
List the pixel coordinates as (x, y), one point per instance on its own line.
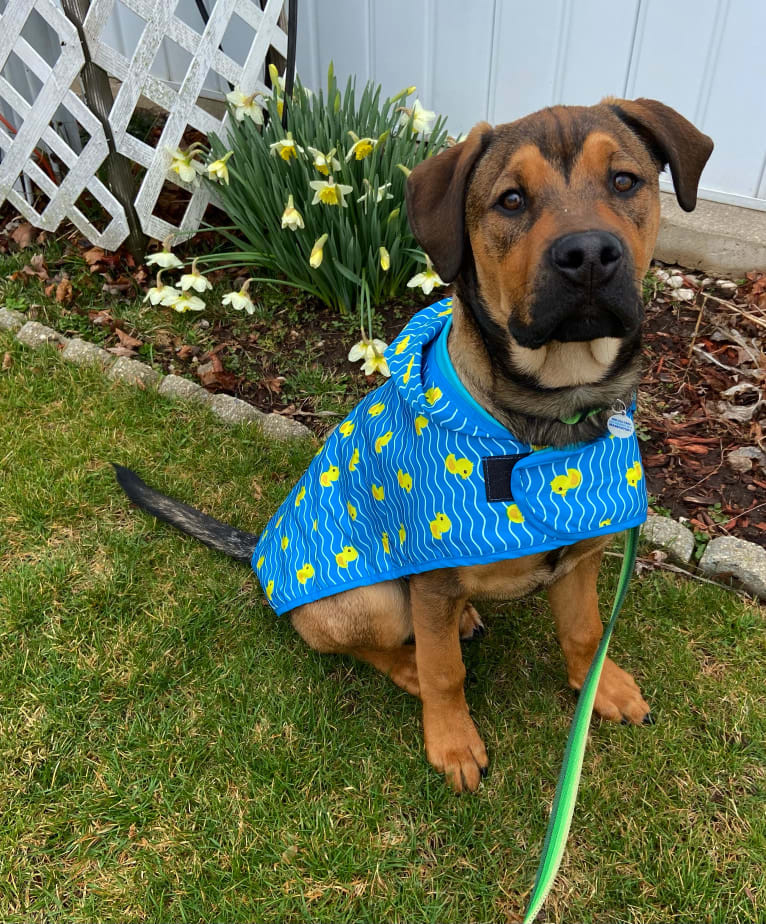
(606, 522)
(259, 563)
(354, 461)
(327, 478)
(514, 514)
(351, 510)
(346, 428)
(440, 524)
(284, 543)
(402, 534)
(405, 481)
(305, 573)
(433, 394)
(377, 492)
(562, 483)
(382, 441)
(408, 370)
(270, 589)
(402, 345)
(421, 423)
(300, 495)
(347, 554)
(634, 474)
(376, 409)
(462, 467)
(386, 546)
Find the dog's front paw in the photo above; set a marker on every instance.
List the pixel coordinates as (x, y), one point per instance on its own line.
(618, 696)
(454, 748)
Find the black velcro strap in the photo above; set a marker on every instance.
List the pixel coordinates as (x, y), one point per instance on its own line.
(497, 476)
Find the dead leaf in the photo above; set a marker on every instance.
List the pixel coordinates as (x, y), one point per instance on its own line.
(64, 292)
(93, 256)
(121, 351)
(102, 317)
(274, 384)
(7, 362)
(255, 489)
(185, 352)
(213, 376)
(126, 340)
(23, 235)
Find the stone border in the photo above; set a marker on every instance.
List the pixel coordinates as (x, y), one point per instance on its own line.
(121, 369)
(724, 556)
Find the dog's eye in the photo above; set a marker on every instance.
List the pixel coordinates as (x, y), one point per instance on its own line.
(624, 182)
(511, 201)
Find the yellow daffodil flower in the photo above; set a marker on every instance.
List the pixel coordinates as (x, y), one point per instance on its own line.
(317, 251)
(186, 302)
(329, 192)
(427, 280)
(218, 169)
(291, 217)
(240, 300)
(324, 163)
(195, 280)
(286, 148)
(371, 351)
(361, 148)
(385, 259)
(245, 105)
(185, 165)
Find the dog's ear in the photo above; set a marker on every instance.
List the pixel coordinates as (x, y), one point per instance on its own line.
(436, 200)
(672, 139)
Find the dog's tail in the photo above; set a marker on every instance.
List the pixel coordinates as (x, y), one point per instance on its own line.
(219, 536)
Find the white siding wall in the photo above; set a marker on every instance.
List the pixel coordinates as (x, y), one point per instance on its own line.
(500, 59)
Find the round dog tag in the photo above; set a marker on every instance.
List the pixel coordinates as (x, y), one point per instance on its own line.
(620, 425)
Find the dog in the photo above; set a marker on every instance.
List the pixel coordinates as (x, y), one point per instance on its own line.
(546, 227)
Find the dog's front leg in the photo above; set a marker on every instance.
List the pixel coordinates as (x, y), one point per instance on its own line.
(453, 745)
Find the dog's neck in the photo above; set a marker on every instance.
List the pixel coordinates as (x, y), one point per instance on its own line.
(535, 413)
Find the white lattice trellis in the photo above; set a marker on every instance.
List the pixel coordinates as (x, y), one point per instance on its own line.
(137, 85)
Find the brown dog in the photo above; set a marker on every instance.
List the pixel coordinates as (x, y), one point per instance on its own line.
(547, 226)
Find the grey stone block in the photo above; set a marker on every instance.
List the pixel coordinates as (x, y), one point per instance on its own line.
(673, 537)
(84, 353)
(133, 372)
(11, 320)
(234, 410)
(179, 388)
(36, 335)
(745, 561)
(283, 428)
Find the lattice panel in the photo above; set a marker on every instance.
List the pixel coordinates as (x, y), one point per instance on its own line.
(50, 84)
(205, 61)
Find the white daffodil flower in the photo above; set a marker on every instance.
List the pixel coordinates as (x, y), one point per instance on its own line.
(218, 169)
(371, 351)
(164, 259)
(380, 195)
(324, 163)
(185, 165)
(286, 148)
(317, 252)
(427, 280)
(195, 280)
(159, 292)
(240, 301)
(422, 119)
(186, 302)
(291, 217)
(329, 192)
(245, 105)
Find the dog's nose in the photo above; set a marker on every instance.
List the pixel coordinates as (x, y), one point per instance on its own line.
(587, 258)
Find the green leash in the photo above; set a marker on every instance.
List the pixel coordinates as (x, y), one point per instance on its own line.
(569, 777)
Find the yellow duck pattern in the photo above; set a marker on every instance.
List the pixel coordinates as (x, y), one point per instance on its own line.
(408, 464)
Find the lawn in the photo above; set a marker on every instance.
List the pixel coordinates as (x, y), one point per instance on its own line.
(170, 750)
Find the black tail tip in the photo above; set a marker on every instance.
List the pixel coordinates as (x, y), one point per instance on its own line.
(127, 479)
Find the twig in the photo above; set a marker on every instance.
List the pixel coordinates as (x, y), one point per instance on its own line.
(650, 563)
(732, 307)
(705, 355)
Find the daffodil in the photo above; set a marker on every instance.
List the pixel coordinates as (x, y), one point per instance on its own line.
(218, 169)
(185, 165)
(291, 217)
(427, 280)
(245, 105)
(286, 148)
(385, 259)
(403, 94)
(317, 251)
(324, 163)
(361, 148)
(160, 294)
(185, 302)
(381, 194)
(329, 192)
(371, 351)
(277, 82)
(164, 258)
(422, 119)
(195, 280)
(240, 300)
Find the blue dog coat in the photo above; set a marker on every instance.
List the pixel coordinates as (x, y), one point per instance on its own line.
(419, 476)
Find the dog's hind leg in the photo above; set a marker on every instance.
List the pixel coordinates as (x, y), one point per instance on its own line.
(371, 623)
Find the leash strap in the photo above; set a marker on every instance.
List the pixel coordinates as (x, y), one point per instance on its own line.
(569, 777)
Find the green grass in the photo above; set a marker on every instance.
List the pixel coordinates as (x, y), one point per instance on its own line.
(169, 750)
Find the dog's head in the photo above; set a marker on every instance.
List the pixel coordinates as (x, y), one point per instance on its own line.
(547, 225)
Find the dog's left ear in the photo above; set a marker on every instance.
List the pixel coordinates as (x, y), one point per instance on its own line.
(672, 139)
(436, 200)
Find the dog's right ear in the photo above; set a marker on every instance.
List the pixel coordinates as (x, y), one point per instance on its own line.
(436, 200)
